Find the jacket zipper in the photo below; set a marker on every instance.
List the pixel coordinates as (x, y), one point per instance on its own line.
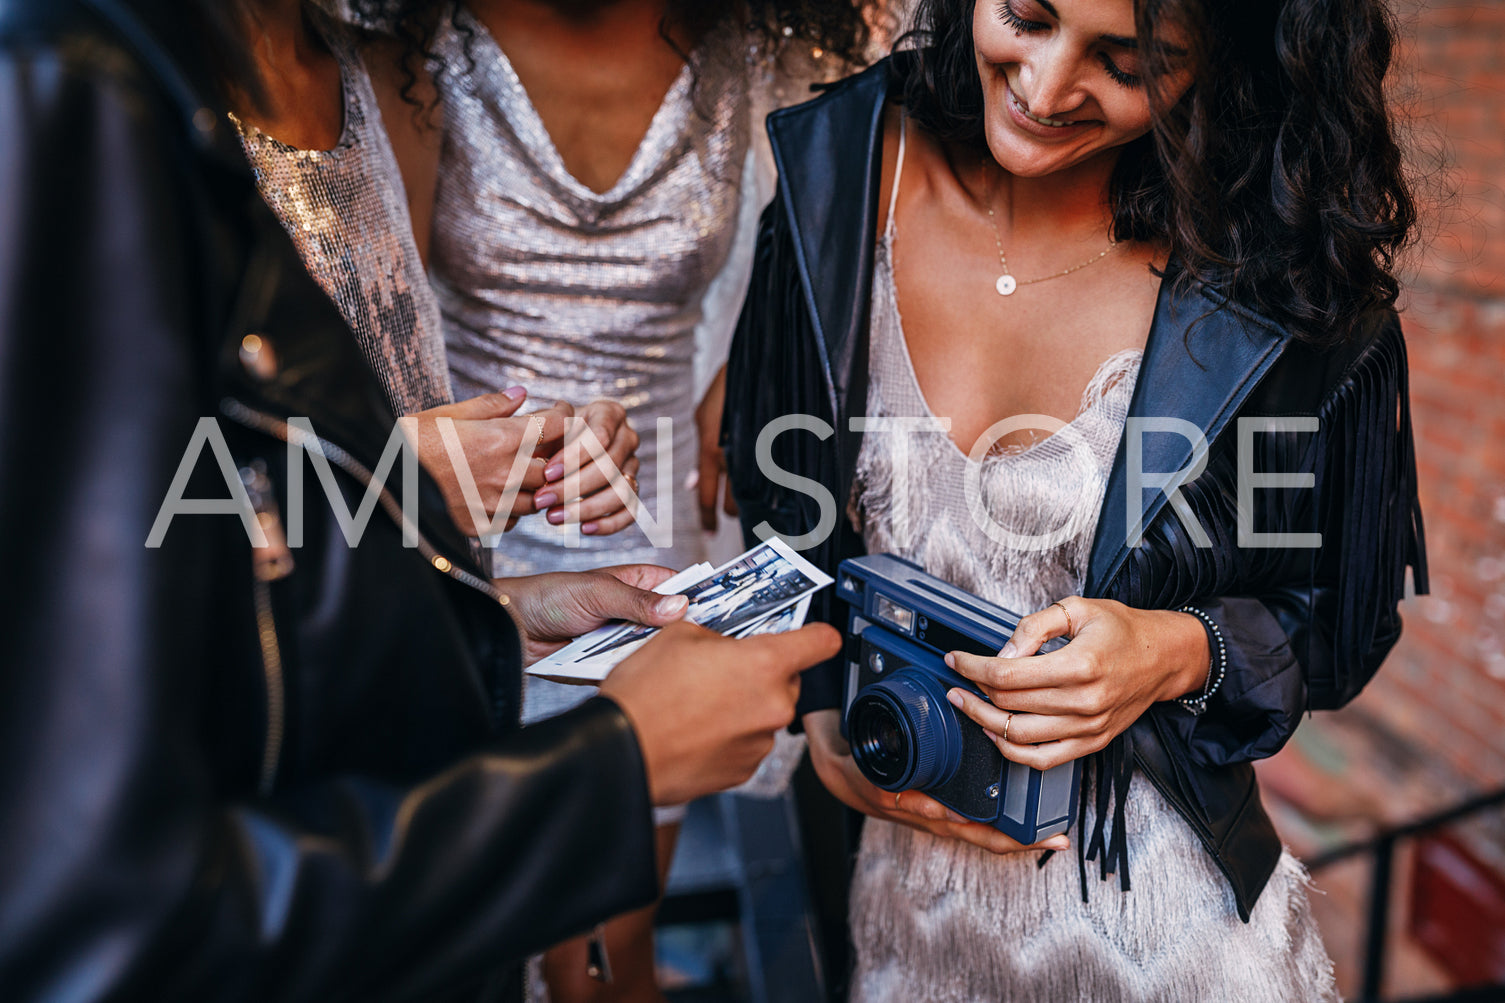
(269, 563)
(271, 661)
(275, 561)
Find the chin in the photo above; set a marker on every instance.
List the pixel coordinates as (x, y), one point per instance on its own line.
(1022, 158)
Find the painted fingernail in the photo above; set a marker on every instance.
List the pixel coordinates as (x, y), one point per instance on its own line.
(554, 472)
(556, 516)
(670, 606)
(1009, 651)
(544, 500)
(589, 528)
(950, 660)
(515, 393)
(954, 697)
(991, 737)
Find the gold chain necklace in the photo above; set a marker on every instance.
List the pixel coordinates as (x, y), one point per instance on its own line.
(1006, 283)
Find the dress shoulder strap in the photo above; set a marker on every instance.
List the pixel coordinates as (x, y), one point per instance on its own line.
(893, 195)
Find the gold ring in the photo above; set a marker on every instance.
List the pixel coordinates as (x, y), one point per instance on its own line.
(1006, 722)
(1070, 630)
(896, 800)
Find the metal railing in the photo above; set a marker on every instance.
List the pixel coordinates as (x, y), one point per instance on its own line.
(1382, 846)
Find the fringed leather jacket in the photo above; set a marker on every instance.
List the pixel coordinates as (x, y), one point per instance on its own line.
(280, 773)
(1306, 627)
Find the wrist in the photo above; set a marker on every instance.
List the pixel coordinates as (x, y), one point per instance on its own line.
(661, 789)
(1192, 657)
(1196, 702)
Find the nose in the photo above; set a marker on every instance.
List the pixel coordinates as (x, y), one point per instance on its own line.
(1052, 80)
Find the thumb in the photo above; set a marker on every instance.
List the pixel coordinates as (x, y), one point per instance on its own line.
(797, 650)
(613, 599)
(641, 576)
(497, 405)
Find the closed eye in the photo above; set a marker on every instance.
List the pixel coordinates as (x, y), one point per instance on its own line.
(1119, 76)
(1008, 16)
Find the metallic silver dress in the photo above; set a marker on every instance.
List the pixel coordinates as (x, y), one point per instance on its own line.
(347, 213)
(629, 294)
(945, 922)
(578, 295)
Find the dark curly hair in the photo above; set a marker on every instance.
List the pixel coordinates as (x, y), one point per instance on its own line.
(841, 28)
(1276, 179)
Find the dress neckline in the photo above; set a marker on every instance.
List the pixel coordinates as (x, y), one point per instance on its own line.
(534, 134)
(1093, 394)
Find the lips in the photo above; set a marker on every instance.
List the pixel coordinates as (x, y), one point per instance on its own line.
(1038, 124)
(1055, 123)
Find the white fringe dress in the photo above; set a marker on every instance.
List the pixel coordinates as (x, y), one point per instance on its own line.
(939, 921)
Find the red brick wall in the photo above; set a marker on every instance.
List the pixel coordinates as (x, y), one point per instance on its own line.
(1430, 729)
(1444, 687)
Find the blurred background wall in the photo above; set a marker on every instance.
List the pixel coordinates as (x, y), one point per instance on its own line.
(1429, 732)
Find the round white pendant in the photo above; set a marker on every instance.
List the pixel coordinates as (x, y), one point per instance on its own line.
(1006, 285)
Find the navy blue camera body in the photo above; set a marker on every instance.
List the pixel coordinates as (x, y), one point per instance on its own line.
(903, 732)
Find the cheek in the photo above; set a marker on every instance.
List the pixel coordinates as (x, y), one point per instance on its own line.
(1128, 113)
(993, 41)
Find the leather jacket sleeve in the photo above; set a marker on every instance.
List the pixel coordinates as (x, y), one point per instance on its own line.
(1305, 629)
(128, 868)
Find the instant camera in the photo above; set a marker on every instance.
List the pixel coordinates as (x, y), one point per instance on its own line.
(903, 732)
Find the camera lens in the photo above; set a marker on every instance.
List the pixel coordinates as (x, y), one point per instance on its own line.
(903, 732)
(880, 740)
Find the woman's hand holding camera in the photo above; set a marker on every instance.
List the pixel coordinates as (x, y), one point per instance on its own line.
(1044, 710)
(705, 707)
(839, 772)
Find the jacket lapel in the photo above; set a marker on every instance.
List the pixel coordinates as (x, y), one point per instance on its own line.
(818, 147)
(1202, 360)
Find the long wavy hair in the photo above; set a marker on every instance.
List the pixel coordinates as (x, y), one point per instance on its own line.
(1276, 179)
(841, 28)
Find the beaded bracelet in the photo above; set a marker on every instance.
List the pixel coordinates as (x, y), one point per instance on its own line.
(1215, 670)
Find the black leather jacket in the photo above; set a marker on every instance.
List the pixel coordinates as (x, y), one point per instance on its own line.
(227, 773)
(1306, 628)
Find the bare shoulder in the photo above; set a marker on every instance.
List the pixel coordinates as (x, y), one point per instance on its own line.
(414, 120)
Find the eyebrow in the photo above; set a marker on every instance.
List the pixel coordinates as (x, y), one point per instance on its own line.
(1123, 41)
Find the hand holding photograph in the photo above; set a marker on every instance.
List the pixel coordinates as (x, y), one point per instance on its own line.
(742, 597)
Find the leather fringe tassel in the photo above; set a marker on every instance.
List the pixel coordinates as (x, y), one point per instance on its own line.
(1107, 774)
(1366, 433)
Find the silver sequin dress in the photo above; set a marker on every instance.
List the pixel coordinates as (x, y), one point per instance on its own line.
(629, 294)
(579, 295)
(348, 216)
(945, 922)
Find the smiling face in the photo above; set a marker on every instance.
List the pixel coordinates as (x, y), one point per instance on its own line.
(1061, 82)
